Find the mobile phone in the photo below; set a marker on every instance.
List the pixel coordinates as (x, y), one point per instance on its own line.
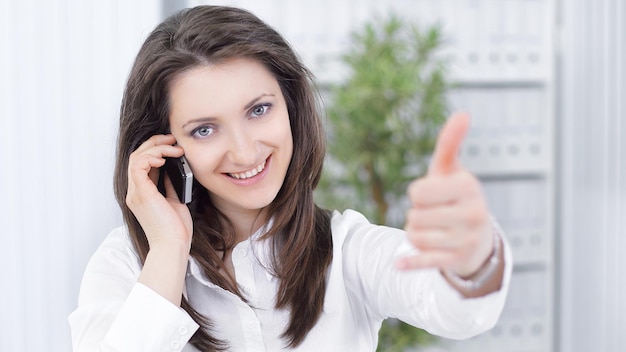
(180, 174)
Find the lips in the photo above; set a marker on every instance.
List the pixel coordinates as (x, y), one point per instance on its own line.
(250, 173)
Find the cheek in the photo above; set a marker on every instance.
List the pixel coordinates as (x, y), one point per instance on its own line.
(284, 135)
(201, 161)
(275, 133)
(287, 138)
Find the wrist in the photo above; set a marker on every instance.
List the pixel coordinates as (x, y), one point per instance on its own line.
(477, 280)
(170, 245)
(165, 268)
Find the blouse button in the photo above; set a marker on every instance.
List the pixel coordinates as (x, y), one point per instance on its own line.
(182, 330)
(175, 345)
(251, 325)
(242, 252)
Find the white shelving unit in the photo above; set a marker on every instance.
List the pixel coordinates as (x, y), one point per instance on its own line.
(502, 60)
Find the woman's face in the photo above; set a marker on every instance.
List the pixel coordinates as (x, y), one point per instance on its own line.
(232, 122)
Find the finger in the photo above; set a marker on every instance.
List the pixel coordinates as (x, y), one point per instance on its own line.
(158, 139)
(462, 217)
(435, 239)
(431, 191)
(445, 159)
(434, 259)
(423, 218)
(145, 161)
(141, 165)
(144, 170)
(160, 151)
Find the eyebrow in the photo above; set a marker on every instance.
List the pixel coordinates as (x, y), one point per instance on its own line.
(246, 107)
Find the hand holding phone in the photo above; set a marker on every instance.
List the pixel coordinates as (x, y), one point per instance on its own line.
(180, 174)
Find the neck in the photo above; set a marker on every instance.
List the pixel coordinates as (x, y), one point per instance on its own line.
(246, 223)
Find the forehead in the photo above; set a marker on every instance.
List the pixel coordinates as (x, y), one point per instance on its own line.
(217, 88)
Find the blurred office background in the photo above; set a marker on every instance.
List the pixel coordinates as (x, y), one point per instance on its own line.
(543, 79)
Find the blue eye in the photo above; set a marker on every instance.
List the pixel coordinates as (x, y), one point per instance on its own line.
(260, 110)
(202, 131)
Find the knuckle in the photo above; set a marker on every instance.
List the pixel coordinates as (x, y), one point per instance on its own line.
(420, 239)
(130, 200)
(474, 216)
(419, 242)
(413, 218)
(473, 241)
(469, 182)
(416, 189)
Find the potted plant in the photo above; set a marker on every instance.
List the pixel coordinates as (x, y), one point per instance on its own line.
(383, 121)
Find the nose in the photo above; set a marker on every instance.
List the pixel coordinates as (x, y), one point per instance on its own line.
(242, 148)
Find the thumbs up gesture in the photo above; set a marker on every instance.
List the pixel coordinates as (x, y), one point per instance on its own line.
(448, 221)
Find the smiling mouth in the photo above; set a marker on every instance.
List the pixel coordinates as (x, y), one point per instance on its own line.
(248, 174)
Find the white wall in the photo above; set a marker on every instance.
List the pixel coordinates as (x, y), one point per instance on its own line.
(593, 173)
(62, 68)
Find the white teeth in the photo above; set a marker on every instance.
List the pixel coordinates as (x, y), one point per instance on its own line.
(249, 173)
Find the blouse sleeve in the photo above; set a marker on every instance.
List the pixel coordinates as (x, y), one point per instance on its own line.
(116, 313)
(422, 298)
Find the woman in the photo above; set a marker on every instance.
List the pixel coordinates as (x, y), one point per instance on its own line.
(252, 263)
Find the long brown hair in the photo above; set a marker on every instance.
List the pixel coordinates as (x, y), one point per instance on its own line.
(300, 232)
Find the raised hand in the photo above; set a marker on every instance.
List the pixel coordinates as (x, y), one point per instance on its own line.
(166, 222)
(448, 221)
(162, 218)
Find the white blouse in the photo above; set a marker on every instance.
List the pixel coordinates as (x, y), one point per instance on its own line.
(116, 313)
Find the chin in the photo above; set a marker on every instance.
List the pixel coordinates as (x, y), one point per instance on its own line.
(246, 202)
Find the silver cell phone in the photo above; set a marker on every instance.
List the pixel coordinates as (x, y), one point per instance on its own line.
(180, 174)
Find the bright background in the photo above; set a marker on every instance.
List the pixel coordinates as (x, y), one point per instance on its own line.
(544, 80)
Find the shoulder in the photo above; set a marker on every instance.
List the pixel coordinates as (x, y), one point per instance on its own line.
(115, 252)
(118, 240)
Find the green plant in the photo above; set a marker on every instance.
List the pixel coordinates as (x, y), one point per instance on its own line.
(384, 117)
(383, 124)
(396, 336)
